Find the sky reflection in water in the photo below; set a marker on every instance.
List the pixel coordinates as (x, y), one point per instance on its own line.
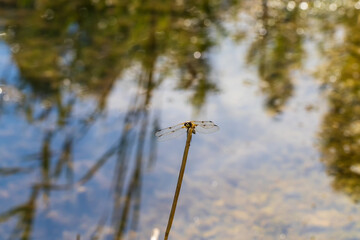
(78, 151)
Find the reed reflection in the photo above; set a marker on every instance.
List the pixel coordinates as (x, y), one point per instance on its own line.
(67, 54)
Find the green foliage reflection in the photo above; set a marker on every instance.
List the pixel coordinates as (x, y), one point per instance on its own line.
(340, 132)
(277, 51)
(92, 43)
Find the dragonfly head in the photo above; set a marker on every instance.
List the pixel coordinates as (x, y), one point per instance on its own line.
(188, 124)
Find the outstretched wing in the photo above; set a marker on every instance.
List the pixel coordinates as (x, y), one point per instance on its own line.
(206, 126)
(170, 132)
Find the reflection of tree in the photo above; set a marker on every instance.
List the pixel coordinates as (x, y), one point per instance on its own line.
(78, 35)
(26, 214)
(70, 51)
(127, 197)
(276, 51)
(340, 133)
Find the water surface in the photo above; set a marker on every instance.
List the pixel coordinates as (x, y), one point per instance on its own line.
(84, 86)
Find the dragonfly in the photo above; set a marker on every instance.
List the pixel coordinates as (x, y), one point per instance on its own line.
(181, 128)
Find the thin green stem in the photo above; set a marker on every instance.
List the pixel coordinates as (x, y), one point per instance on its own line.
(178, 186)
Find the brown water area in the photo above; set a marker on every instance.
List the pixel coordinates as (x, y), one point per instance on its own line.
(85, 84)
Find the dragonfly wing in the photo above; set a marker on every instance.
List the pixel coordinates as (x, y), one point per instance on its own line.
(206, 126)
(170, 132)
(168, 129)
(205, 123)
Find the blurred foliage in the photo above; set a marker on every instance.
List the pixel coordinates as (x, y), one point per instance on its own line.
(277, 51)
(92, 43)
(340, 131)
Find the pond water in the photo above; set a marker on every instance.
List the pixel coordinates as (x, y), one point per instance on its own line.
(84, 86)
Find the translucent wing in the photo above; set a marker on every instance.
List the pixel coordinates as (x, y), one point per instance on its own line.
(170, 132)
(206, 126)
(167, 130)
